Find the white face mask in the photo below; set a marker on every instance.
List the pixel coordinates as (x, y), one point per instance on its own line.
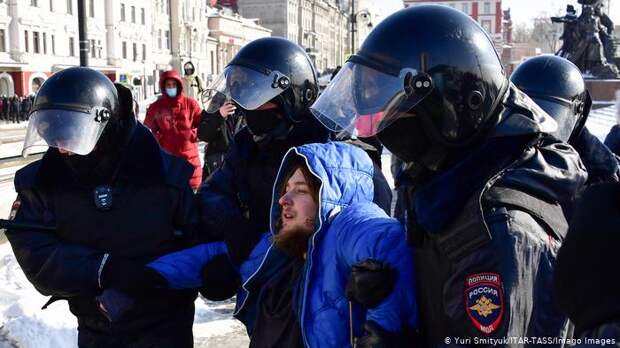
(171, 92)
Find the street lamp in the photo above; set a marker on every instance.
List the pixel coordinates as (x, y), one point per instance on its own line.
(353, 18)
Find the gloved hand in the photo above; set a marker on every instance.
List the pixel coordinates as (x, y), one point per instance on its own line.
(370, 282)
(114, 304)
(221, 280)
(375, 337)
(127, 275)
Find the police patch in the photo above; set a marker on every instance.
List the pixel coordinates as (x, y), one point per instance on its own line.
(484, 301)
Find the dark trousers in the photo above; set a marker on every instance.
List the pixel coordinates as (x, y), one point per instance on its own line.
(175, 332)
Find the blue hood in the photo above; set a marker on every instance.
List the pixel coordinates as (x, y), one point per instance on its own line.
(345, 172)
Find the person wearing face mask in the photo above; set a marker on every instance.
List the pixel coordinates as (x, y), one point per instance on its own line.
(174, 120)
(103, 201)
(273, 83)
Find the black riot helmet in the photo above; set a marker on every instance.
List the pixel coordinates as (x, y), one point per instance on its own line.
(268, 69)
(426, 80)
(556, 85)
(72, 110)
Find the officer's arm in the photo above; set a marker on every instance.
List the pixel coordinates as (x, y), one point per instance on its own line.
(221, 213)
(210, 126)
(52, 266)
(383, 241)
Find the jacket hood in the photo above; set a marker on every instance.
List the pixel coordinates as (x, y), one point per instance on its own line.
(170, 74)
(344, 170)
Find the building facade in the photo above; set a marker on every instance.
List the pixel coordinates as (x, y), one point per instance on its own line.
(40, 37)
(320, 26)
(487, 13)
(130, 41)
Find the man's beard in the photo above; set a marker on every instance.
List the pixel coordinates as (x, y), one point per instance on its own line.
(293, 242)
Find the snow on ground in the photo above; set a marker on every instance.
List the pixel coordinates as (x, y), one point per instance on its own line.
(23, 324)
(601, 120)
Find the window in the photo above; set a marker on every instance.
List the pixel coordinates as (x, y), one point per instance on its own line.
(159, 39)
(99, 48)
(122, 12)
(2, 41)
(465, 7)
(72, 47)
(91, 8)
(35, 42)
(34, 3)
(53, 45)
(92, 49)
(167, 7)
(135, 52)
(133, 14)
(487, 26)
(124, 50)
(26, 42)
(142, 17)
(44, 43)
(70, 6)
(168, 39)
(487, 8)
(51, 5)
(143, 52)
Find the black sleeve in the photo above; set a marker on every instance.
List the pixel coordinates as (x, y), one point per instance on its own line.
(51, 265)
(221, 212)
(210, 126)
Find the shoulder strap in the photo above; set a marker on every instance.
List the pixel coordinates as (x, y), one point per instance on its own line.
(548, 213)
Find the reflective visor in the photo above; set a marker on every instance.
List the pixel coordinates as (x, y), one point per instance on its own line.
(73, 131)
(246, 87)
(362, 101)
(562, 112)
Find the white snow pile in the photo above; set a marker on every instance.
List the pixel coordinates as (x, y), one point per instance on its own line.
(23, 324)
(601, 120)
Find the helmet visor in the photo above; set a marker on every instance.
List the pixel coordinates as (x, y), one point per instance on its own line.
(73, 131)
(562, 113)
(362, 101)
(246, 87)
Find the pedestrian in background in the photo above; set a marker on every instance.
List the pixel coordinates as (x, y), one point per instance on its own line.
(14, 109)
(218, 130)
(174, 119)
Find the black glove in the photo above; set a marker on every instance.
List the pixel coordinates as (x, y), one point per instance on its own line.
(375, 337)
(127, 275)
(241, 240)
(220, 278)
(114, 304)
(370, 282)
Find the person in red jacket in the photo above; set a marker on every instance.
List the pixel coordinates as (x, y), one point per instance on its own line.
(174, 119)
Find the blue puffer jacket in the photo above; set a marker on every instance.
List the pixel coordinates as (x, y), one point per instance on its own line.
(351, 229)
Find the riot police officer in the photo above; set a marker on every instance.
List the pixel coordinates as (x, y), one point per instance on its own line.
(483, 213)
(116, 201)
(556, 85)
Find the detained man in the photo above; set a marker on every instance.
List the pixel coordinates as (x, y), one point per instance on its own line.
(334, 270)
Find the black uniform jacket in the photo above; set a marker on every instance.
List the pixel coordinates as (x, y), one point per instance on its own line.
(151, 203)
